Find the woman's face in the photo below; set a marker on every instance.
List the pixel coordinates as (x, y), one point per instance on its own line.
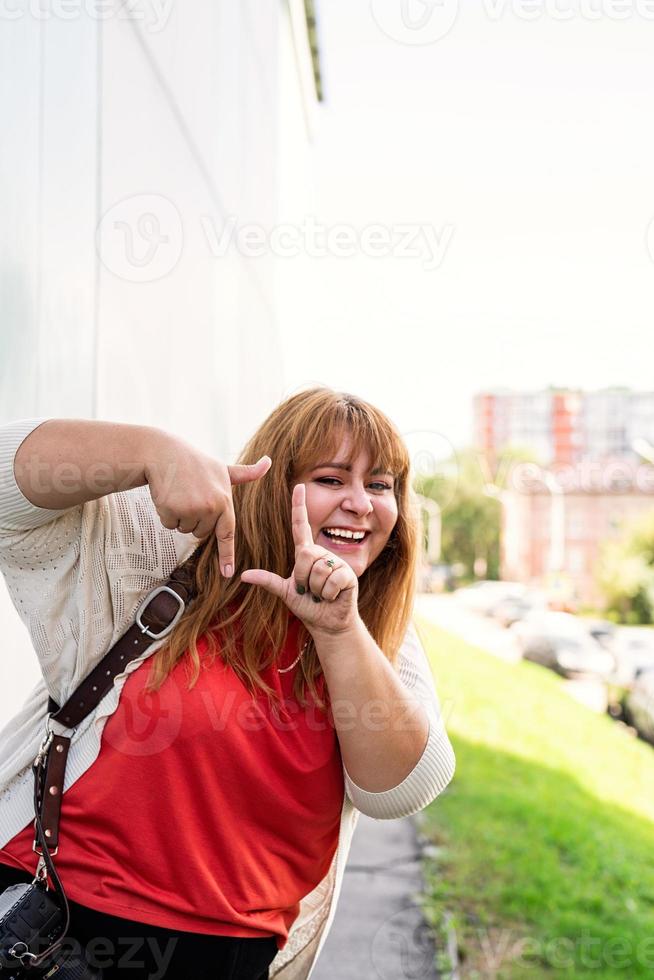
(354, 499)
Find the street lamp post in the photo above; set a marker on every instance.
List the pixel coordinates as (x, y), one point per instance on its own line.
(496, 492)
(433, 528)
(557, 523)
(643, 448)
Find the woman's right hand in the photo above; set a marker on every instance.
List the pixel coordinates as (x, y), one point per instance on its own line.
(192, 492)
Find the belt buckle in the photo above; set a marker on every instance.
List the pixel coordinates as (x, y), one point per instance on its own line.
(166, 630)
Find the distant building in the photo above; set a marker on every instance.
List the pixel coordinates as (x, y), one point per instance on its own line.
(589, 484)
(553, 537)
(564, 425)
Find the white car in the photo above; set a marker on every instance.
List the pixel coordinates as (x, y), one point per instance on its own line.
(562, 642)
(480, 597)
(633, 649)
(639, 704)
(509, 609)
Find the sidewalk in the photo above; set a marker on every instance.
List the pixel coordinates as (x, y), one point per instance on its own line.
(378, 931)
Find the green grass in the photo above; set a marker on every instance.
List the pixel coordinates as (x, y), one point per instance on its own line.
(545, 836)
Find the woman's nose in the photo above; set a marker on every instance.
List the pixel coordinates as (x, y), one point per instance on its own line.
(357, 500)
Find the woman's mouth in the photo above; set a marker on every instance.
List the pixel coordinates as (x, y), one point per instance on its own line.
(339, 543)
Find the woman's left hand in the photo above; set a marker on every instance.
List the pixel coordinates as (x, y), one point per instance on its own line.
(312, 579)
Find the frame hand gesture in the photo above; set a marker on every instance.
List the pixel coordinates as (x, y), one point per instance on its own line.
(322, 590)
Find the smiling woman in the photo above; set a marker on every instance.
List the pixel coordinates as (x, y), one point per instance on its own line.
(298, 436)
(254, 715)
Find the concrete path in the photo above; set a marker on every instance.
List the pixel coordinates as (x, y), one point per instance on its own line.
(378, 931)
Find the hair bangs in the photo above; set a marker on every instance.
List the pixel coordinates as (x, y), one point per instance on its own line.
(323, 436)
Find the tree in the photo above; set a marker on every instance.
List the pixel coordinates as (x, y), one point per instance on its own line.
(471, 514)
(470, 520)
(625, 572)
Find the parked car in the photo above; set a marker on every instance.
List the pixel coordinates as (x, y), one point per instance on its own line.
(639, 704)
(511, 608)
(633, 650)
(482, 596)
(561, 642)
(602, 630)
(437, 578)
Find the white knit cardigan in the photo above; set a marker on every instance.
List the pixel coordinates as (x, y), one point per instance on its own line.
(76, 578)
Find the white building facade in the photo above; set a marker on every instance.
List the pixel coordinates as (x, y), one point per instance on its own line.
(149, 149)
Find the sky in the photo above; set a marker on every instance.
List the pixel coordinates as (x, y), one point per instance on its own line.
(521, 135)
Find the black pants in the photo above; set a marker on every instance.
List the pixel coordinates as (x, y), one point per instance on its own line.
(127, 950)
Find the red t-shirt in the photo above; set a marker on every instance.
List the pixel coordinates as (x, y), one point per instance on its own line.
(205, 811)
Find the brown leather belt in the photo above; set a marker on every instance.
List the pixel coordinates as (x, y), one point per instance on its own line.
(157, 615)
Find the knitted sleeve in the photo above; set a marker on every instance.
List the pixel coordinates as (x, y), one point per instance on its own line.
(77, 575)
(436, 765)
(17, 513)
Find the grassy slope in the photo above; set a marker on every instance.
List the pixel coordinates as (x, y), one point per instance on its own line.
(547, 827)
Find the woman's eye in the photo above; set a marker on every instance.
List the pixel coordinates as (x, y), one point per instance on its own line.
(332, 479)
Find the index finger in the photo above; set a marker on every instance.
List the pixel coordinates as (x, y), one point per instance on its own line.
(299, 518)
(225, 527)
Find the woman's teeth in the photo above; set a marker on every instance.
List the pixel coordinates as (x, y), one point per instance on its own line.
(344, 537)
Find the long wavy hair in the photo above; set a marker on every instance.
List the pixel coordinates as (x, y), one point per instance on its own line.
(245, 624)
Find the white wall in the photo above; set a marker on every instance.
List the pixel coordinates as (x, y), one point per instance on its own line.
(127, 144)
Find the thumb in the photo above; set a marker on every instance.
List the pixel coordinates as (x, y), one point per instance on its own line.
(245, 472)
(259, 576)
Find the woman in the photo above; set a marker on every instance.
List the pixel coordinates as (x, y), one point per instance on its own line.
(293, 693)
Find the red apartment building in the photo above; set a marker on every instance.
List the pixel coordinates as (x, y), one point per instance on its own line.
(589, 485)
(564, 425)
(530, 551)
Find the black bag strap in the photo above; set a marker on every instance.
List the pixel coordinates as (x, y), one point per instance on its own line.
(156, 617)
